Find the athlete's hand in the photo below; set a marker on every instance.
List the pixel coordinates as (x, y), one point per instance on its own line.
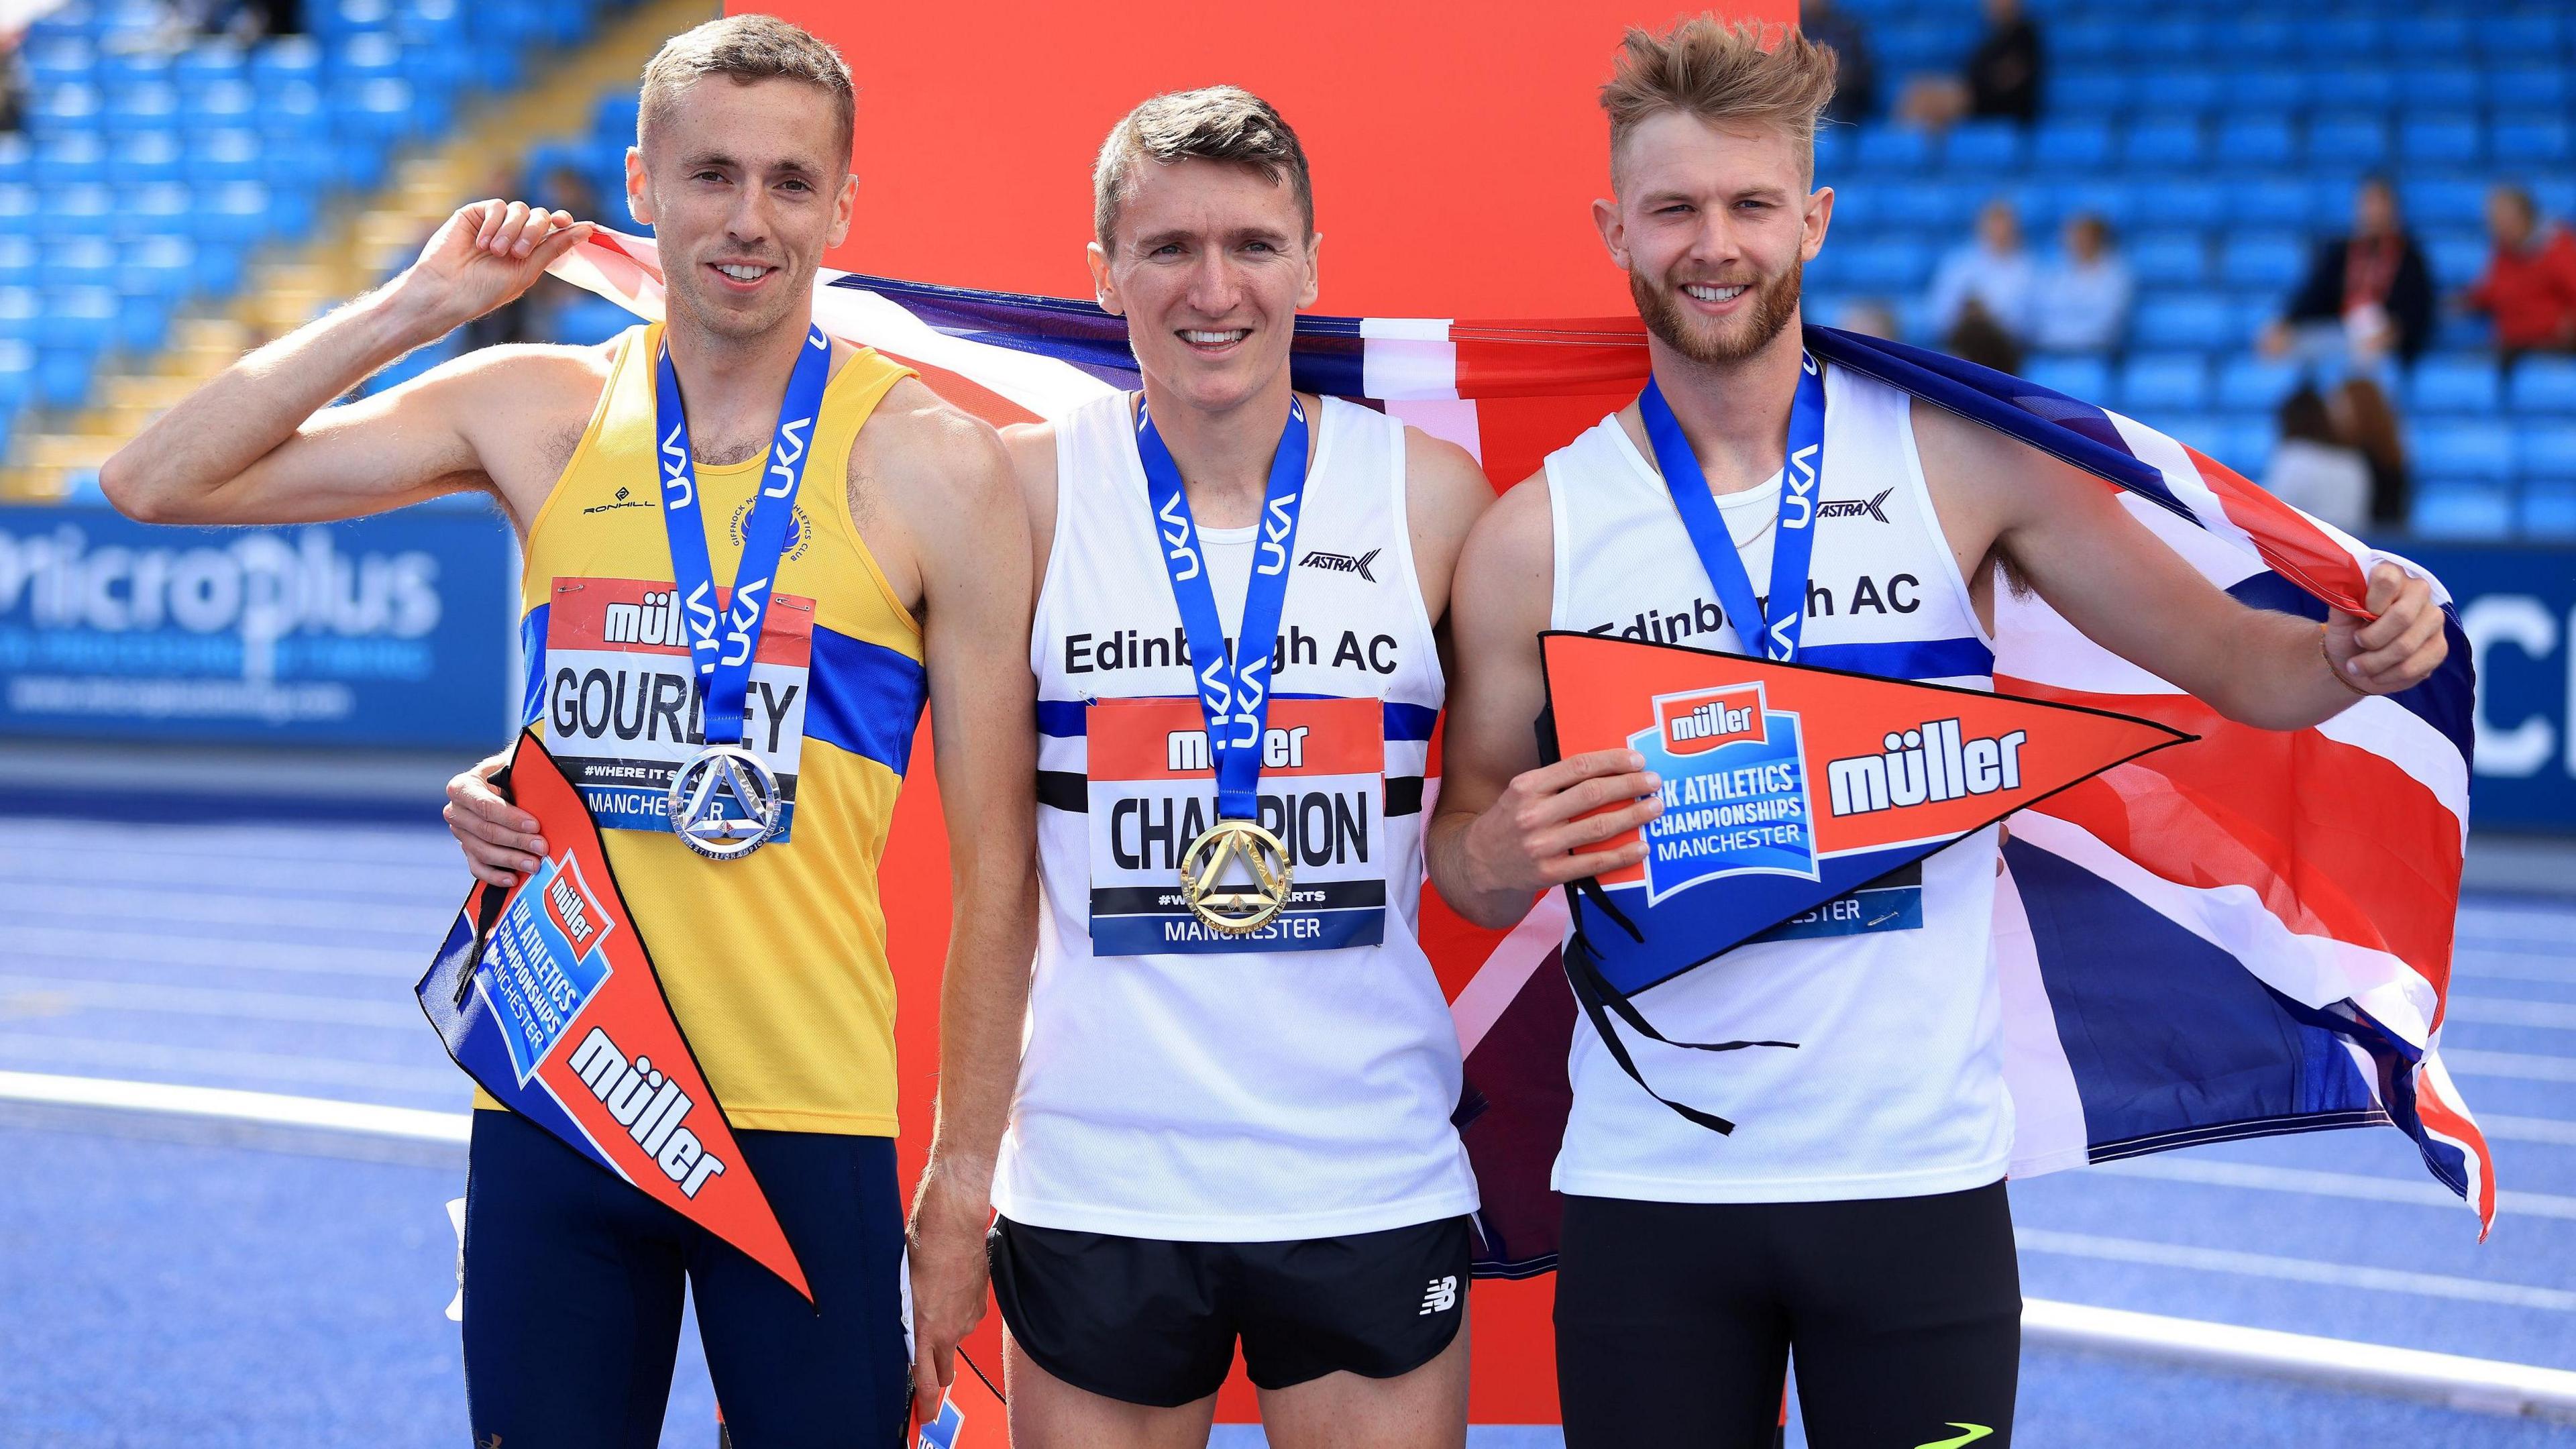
(1525, 840)
(950, 1277)
(484, 256)
(500, 840)
(2397, 650)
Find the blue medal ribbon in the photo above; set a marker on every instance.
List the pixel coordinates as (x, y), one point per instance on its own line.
(1790, 552)
(1234, 689)
(723, 642)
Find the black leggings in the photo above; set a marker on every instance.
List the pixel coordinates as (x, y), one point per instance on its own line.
(1675, 1321)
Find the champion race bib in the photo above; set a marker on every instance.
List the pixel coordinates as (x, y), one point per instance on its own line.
(1152, 791)
(622, 714)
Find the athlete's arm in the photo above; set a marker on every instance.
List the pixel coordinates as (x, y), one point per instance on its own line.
(2077, 545)
(936, 498)
(1505, 826)
(1444, 494)
(259, 444)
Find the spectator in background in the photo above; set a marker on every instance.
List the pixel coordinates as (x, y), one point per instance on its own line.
(2001, 79)
(2080, 302)
(2364, 419)
(1870, 318)
(1855, 80)
(1977, 337)
(2530, 284)
(2365, 295)
(2313, 468)
(1993, 270)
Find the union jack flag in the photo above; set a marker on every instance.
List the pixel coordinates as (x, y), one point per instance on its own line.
(2241, 937)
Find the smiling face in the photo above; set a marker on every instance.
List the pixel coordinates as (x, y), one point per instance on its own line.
(1209, 262)
(1714, 227)
(745, 193)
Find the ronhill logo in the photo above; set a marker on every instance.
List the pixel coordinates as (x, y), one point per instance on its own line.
(1341, 563)
(1855, 507)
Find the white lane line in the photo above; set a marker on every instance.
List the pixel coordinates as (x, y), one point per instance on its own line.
(44, 995)
(381, 928)
(223, 1102)
(28, 945)
(29, 1047)
(2520, 1066)
(2264, 1178)
(2296, 1270)
(299, 878)
(2549, 1130)
(234, 908)
(2546, 967)
(2476, 1384)
(2504, 1011)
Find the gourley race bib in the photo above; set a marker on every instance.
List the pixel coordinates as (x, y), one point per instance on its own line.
(1152, 791)
(620, 710)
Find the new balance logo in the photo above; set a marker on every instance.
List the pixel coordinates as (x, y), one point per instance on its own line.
(1856, 507)
(1341, 563)
(1440, 1297)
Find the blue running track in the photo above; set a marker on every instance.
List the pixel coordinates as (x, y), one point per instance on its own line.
(206, 1286)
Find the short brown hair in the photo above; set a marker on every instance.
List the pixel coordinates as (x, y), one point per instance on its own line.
(744, 49)
(1723, 75)
(1216, 123)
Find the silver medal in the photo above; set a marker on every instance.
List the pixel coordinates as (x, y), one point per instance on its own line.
(701, 790)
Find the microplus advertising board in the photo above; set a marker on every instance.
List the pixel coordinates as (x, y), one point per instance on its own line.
(384, 632)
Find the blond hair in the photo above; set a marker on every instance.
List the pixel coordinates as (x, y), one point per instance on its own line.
(744, 49)
(1217, 123)
(1722, 74)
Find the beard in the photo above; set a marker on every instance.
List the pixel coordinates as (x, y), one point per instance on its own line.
(1725, 340)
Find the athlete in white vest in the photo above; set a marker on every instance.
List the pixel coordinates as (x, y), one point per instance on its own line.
(1857, 1210)
(1223, 1136)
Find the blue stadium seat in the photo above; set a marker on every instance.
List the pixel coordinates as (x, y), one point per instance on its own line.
(2089, 39)
(235, 213)
(2267, 260)
(368, 55)
(19, 266)
(2085, 378)
(2544, 385)
(69, 159)
(2347, 140)
(2440, 140)
(77, 319)
(2453, 384)
(20, 309)
(2256, 143)
(51, 63)
(1982, 148)
(2372, 88)
(225, 103)
(2527, 87)
(64, 109)
(2437, 204)
(286, 61)
(2114, 201)
(19, 209)
(2247, 445)
(2464, 450)
(2070, 145)
(80, 211)
(2272, 201)
(2167, 37)
(1931, 208)
(2087, 91)
(122, 69)
(1901, 149)
(2169, 259)
(17, 376)
(2163, 382)
(2528, 139)
(2546, 450)
(2441, 87)
(149, 107)
(2549, 508)
(156, 211)
(588, 320)
(2180, 93)
(301, 165)
(615, 114)
(2201, 322)
(2518, 37)
(2346, 36)
(17, 159)
(207, 64)
(80, 261)
(2200, 204)
(2163, 146)
(146, 158)
(224, 154)
(2461, 508)
(142, 323)
(2256, 382)
(1894, 265)
(2457, 258)
(2269, 89)
(161, 266)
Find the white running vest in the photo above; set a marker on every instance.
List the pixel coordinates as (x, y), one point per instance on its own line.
(1233, 1095)
(1896, 1088)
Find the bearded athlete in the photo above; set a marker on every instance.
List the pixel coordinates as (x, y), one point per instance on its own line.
(1858, 1212)
(1232, 1121)
(905, 552)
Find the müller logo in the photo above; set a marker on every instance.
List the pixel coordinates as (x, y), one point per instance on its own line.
(1925, 766)
(1703, 719)
(650, 1106)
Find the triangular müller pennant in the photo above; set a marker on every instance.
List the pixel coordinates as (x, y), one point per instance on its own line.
(546, 996)
(1789, 788)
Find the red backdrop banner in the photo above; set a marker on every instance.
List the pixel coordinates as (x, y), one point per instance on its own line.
(1456, 150)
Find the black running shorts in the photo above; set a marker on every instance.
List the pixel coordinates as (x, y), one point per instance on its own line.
(1675, 1322)
(1151, 1322)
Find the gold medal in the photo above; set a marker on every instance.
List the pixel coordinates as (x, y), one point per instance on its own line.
(1239, 909)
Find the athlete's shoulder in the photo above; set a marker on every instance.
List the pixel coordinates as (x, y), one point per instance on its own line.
(919, 442)
(1513, 542)
(543, 376)
(1445, 477)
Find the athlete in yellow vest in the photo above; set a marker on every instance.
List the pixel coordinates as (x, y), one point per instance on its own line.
(903, 576)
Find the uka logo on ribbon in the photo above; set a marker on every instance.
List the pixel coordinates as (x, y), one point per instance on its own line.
(1786, 787)
(546, 996)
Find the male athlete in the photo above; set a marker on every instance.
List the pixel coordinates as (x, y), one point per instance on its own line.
(904, 551)
(1857, 1212)
(1231, 1125)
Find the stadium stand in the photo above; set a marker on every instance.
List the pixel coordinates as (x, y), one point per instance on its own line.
(2222, 141)
(175, 199)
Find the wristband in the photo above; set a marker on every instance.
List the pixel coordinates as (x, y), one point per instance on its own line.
(2331, 668)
